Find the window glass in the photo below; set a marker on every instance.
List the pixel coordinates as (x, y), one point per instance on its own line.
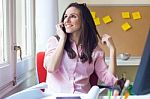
(3, 49)
(23, 27)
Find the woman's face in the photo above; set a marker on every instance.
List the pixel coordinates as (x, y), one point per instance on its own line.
(72, 20)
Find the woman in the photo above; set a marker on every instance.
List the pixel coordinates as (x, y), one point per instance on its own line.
(75, 55)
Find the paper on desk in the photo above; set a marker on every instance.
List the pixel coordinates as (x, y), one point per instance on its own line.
(76, 96)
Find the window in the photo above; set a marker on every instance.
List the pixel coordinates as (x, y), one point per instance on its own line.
(3, 49)
(1, 32)
(24, 27)
(16, 29)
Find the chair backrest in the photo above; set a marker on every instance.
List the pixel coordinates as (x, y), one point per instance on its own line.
(42, 72)
(93, 79)
(40, 69)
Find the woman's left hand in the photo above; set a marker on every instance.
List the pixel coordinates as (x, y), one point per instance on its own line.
(107, 39)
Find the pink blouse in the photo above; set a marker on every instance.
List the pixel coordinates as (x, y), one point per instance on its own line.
(73, 75)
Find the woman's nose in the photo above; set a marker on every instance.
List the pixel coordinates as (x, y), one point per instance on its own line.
(67, 19)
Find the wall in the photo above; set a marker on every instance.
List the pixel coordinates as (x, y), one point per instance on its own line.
(62, 5)
(131, 41)
(46, 19)
(97, 2)
(130, 72)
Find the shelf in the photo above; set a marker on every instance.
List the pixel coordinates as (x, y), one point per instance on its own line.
(132, 61)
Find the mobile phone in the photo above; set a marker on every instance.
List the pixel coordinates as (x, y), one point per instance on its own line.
(63, 28)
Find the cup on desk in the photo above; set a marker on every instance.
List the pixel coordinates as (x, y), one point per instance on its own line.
(124, 56)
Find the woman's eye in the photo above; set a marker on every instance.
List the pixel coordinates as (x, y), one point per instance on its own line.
(65, 16)
(72, 16)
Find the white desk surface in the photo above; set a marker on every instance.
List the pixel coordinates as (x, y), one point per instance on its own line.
(103, 97)
(35, 93)
(130, 97)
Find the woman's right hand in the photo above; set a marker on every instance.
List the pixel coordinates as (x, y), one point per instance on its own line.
(107, 39)
(60, 32)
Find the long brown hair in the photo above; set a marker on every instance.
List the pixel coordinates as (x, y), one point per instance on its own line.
(89, 35)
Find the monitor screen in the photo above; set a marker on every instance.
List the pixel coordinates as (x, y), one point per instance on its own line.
(141, 85)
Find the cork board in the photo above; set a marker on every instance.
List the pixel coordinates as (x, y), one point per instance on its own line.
(131, 41)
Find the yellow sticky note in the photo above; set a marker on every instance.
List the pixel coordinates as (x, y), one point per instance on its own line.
(136, 15)
(97, 21)
(93, 14)
(107, 19)
(126, 26)
(125, 15)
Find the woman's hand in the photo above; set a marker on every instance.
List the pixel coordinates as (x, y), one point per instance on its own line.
(60, 32)
(52, 62)
(107, 39)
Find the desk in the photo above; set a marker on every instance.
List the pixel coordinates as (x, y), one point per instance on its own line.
(106, 97)
(35, 93)
(130, 97)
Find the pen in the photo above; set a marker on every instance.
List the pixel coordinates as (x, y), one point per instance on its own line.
(126, 85)
(109, 93)
(126, 95)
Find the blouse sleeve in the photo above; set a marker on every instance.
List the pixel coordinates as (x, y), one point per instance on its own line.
(101, 69)
(51, 46)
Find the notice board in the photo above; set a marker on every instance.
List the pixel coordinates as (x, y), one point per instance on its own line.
(131, 41)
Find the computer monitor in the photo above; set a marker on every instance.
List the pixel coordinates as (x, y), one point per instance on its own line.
(141, 85)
